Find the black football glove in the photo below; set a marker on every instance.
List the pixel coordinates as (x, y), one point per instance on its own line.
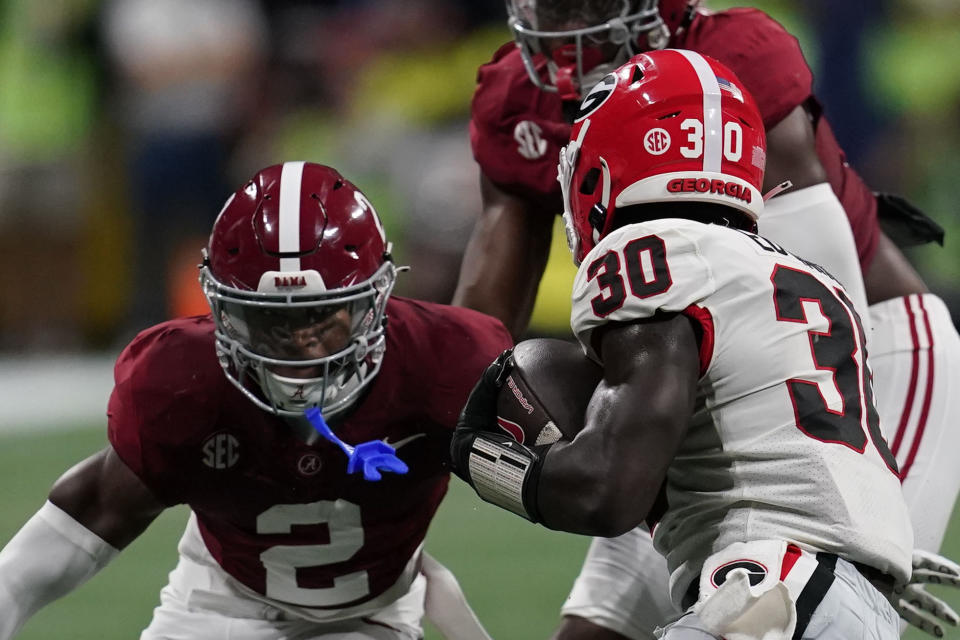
(501, 470)
(480, 412)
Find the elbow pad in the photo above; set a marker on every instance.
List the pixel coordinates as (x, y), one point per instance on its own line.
(50, 556)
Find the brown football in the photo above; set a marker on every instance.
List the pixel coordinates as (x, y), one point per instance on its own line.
(544, 399)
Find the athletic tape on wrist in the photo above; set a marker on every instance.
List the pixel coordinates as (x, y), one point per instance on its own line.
(499, 471)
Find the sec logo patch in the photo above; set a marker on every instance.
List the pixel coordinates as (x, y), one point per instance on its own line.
(221, 451)
(656, 141)
(530, 142)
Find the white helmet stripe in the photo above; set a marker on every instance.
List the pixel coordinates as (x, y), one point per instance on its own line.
(712, 120)
(291, 179)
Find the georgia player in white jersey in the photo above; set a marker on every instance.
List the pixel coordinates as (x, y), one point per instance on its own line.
(764, 317)
(830, 217)
(912, 345)
(735, 376)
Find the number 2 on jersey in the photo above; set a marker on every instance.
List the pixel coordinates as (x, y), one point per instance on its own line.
(281, 562)
(837, 350)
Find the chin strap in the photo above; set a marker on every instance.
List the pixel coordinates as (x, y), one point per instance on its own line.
(570, 66)
(780, 188)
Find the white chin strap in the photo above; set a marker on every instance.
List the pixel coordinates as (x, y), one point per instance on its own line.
(298, 394)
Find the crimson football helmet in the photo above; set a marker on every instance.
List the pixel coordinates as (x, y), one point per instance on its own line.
(583, 40)
(668, 126)
(297, 273)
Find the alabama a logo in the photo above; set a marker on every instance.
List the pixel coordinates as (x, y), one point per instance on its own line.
(298, 394)
(309, 464)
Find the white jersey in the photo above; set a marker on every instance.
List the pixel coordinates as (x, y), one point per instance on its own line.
(785, 442)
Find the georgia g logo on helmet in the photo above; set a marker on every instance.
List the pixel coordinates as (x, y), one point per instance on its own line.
(597, 96)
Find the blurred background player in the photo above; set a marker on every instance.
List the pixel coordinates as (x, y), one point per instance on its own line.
(734, 379)
(208, 411)
(525, 99)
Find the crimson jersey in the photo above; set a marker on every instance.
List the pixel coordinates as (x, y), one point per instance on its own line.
(517, 130)
(281, 516)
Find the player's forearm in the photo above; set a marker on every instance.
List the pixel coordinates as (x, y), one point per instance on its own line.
(49, 557)
(597, 485)
(498, 281)
(505, 258)
(605, 481)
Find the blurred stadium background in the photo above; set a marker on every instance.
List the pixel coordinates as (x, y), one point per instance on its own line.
(124, 124)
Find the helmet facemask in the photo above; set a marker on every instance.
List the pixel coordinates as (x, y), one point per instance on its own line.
(302, 350)
(582, 41)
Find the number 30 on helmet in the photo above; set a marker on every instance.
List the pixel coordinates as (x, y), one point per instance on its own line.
(297, 273)
(667, 126)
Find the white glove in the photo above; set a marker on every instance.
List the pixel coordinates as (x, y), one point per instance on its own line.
(919, 608)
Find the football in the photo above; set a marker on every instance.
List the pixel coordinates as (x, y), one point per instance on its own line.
(544, 399)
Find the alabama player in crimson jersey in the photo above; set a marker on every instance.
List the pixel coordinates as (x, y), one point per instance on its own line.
(208, 411)
(526, 98)
(735, 379)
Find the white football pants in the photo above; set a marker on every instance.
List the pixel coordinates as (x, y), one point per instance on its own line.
(851, 608)
(202, 601)
(914, 353)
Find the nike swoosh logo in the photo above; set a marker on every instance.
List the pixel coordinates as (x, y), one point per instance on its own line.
(400, 443)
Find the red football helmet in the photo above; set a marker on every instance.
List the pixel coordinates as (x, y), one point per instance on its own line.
(583, 40)
(668, 126)
(297, 273)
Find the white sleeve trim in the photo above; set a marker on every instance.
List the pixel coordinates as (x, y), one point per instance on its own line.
(50, 556)
(64, 524)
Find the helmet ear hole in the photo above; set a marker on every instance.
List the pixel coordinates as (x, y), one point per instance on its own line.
(589, 183)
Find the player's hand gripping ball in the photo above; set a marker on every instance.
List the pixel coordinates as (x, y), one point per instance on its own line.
(527, 400)
(544, 396)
